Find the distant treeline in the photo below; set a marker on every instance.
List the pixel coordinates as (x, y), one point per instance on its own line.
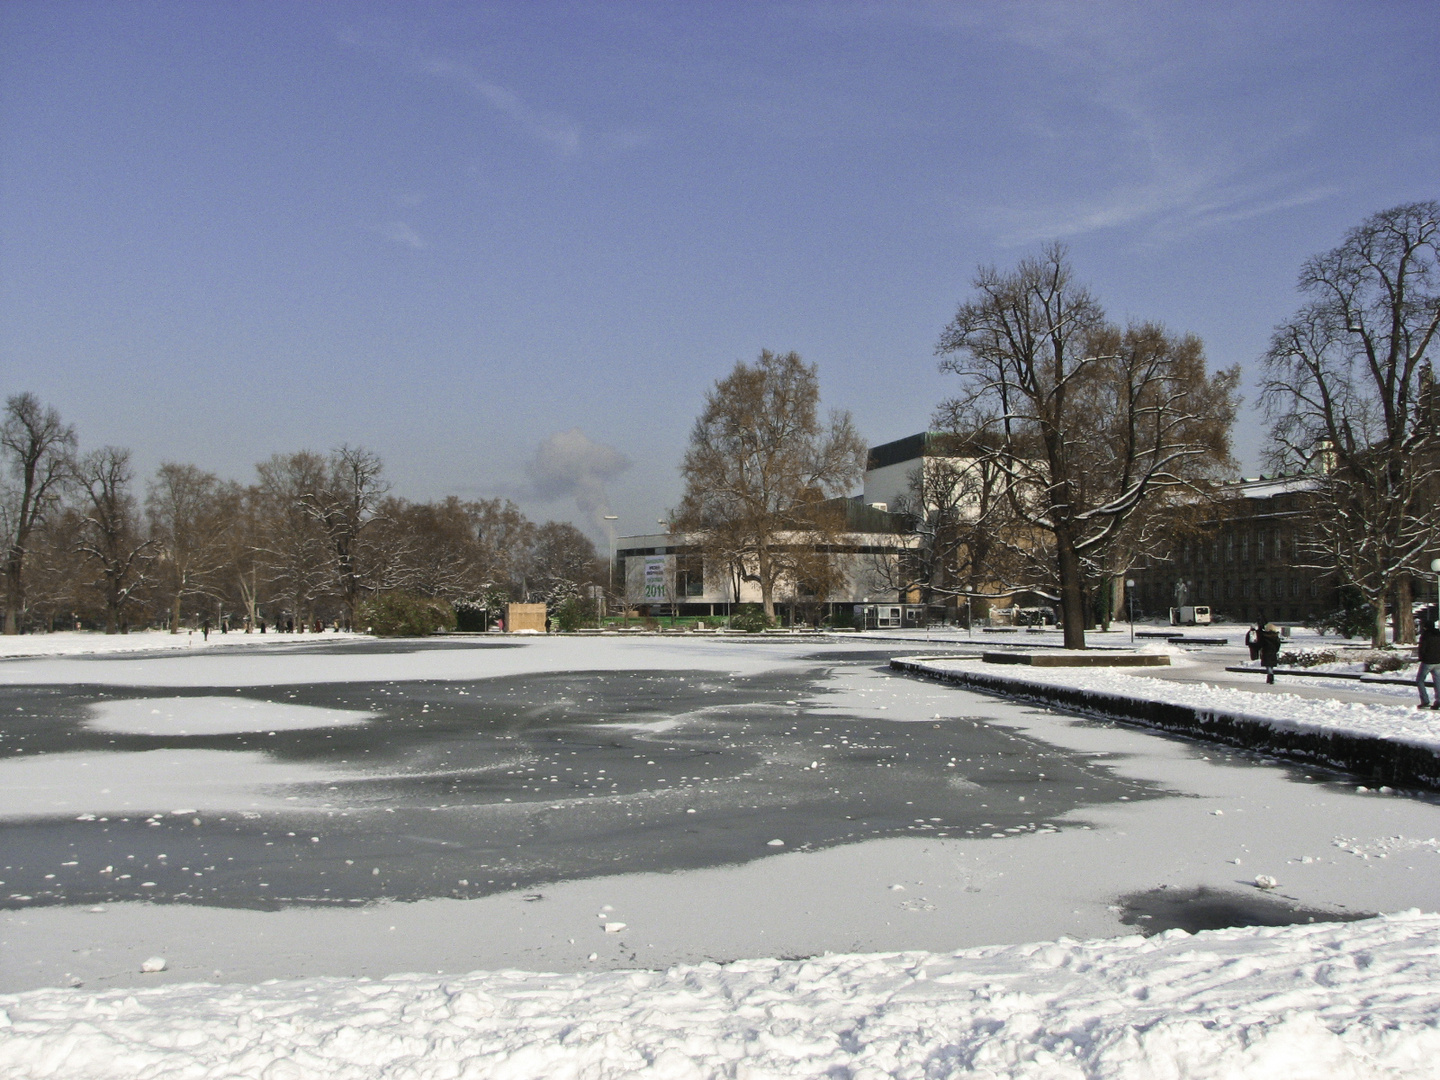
(311, 539)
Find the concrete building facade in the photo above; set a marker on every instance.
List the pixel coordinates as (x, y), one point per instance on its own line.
(1246, 563)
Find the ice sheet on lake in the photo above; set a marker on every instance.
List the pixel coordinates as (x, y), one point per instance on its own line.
(213, 716)
(149, 781)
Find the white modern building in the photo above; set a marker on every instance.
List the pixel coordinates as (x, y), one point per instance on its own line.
(666, 572)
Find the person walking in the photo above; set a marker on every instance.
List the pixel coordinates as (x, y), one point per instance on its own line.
(1269, 650)
(1428, 653)
(1252, 640)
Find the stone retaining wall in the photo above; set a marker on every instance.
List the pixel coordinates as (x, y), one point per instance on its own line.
(1377, 761)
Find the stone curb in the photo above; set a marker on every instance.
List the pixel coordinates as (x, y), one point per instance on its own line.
(1379, 761)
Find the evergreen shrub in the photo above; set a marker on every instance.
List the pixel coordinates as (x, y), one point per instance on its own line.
(401, 614)
(751, 618)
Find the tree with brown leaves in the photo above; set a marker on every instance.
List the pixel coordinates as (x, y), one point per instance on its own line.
(759, 465)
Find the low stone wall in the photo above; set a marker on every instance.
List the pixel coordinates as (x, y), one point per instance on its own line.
(1089, 658)
(1377, 761)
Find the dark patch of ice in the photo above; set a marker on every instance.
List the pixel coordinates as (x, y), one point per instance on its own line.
(1203, 908)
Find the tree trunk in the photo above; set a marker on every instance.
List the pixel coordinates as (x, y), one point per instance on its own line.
(1404, 611)
(175, 616)
(767, 585)
(14, 594)
(1377, 632)
(1072, 598)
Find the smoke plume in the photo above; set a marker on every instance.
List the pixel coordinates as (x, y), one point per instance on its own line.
(570, 463)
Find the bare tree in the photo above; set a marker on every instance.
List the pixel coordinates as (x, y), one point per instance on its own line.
(56, 571)
(292, 551)
(188, 523)
(1351, 394)
(759, 463)
(1085, 423)
(950, 509)
(562, 560)
(344, 506)
(504, 535)
(37, 446)
(110, 537)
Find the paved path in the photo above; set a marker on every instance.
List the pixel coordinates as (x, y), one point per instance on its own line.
(1206, 664)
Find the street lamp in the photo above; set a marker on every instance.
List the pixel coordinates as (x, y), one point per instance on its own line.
(1435, 569)
(1130, 599)
(666, 526)
(610, 529)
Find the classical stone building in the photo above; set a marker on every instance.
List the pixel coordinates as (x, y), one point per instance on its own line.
(1245, 562)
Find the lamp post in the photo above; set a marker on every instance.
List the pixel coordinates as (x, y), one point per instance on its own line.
(1130, 599)
(1435, 569)
(610, 529)
(666, 526)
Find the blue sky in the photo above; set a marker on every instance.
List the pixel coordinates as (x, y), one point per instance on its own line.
(456, 233)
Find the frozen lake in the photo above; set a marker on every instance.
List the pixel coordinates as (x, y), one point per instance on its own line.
(362, 808)
(355, 791)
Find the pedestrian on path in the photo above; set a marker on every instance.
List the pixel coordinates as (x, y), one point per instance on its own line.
(1428, 653)
(1270, 650)
(1252, 640)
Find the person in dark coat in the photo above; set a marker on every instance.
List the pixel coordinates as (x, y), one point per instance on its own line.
(1252, 640)
(1269, 650)
(1428, 653)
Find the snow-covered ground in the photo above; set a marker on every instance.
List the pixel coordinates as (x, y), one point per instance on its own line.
(1322, 1002)
(85, 642)
(1399, 723)
(634, 990)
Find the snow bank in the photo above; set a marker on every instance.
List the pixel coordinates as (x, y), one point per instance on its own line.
(89, 642)
(1324, 1000)
(1393, 744)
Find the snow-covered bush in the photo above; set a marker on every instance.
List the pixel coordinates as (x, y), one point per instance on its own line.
(573, 613)
(1353, 618)
(1307, 657)
(1378, 662)
(401, 614)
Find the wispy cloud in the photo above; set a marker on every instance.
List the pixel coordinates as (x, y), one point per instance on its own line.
(1162, 119)
(557, 132)
(397, 232)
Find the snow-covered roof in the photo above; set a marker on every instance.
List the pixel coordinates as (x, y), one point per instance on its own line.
(1268, 487)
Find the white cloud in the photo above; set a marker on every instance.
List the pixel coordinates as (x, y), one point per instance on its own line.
(1167, 119)
(554, 130)
(397, 232)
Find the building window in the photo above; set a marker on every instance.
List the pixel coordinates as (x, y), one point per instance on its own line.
(1244, 588)
(1314, 588)
(1294, 587)
(689, 575)
(1245, 548)
(1229, 549)
(1229, 590)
